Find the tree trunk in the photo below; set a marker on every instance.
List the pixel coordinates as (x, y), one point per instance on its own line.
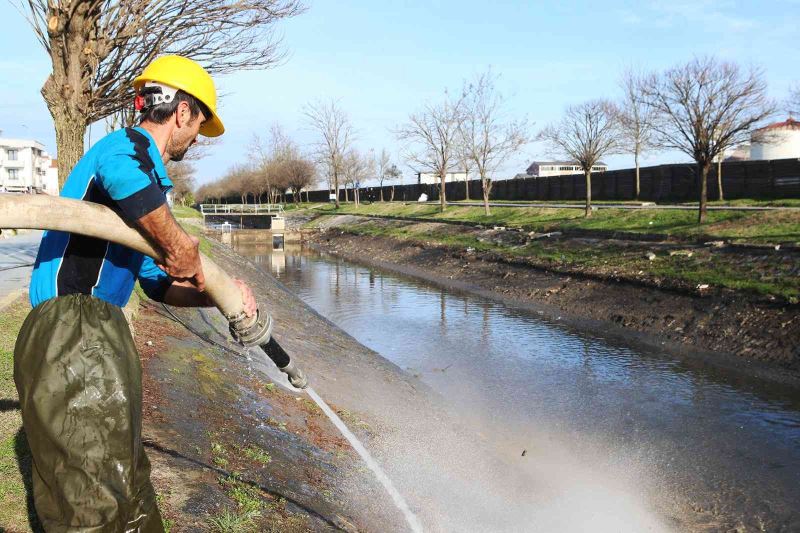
(381, 191)
(588, 212)
(486, 186)
(336, 187)
(638, 183)
(719, 180)
(466, 187)
(70, 132)
(442, 195)
(702, 172)
(391, 197)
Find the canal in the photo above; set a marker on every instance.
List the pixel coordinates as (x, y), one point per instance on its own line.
(705, 448)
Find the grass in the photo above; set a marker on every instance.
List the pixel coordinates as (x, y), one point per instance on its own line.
(182, 211)
(759, 275)
(756, 227)
(15, 461)
(195, 231)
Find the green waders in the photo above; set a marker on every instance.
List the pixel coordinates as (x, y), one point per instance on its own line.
(80, 387)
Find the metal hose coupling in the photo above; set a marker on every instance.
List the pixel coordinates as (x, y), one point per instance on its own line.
(251, 331)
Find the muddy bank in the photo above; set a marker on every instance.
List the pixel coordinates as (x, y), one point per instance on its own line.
(721, 327)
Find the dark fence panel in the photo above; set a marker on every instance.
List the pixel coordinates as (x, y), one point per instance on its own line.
(664, 183)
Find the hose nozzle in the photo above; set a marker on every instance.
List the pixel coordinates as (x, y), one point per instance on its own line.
(296, 376)
(281, 359)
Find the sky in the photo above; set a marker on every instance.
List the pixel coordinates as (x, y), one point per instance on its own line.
(384, 60)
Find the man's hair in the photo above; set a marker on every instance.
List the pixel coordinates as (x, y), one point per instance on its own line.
(161, 113)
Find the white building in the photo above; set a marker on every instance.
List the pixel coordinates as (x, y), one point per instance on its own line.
(776, 141)
(541, 169)
(24, 167)
(429, 178)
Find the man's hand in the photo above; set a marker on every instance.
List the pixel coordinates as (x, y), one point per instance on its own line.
(183, 263)
(181, 251)
(250, 306)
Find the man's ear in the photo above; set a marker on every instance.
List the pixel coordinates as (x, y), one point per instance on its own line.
(183, 115)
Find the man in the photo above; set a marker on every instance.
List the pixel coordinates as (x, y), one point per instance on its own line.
(75, 364)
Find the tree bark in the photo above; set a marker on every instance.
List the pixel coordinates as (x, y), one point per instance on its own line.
(486, 186)
(588, 212)
(391, 197)
(442, 193)
(346, 194)
(381, 192)
(336, 187)
(719, 180)
(702, 173)
(638, 183)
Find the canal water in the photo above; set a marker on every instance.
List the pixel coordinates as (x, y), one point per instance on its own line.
(708, 449)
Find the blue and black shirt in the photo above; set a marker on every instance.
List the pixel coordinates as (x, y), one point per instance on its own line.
(123, 171)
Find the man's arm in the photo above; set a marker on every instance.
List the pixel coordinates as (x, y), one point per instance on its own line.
(184, 294)
(181, 250)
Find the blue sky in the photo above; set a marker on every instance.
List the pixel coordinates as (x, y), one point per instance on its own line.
(384, 62)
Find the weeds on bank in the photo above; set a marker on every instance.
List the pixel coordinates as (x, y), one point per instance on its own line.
(258, 455)
(752, 226)
(772, 277)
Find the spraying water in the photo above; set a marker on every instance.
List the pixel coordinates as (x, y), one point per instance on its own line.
(399, 501)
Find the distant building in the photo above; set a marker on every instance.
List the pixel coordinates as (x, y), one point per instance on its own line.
(738, 153)
(776, 141)
(541, 169)
(24, 166)
(429, 178)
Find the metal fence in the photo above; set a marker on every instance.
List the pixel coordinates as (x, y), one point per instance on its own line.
(778, 178)
(241, 209)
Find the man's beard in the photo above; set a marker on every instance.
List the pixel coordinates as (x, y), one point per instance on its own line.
(177, 155)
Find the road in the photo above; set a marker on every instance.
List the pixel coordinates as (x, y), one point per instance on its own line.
(16, 257)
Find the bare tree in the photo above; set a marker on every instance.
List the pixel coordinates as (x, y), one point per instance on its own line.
(586, 133)
(336, 134)
(98, 47)
(383, 168)
(793, 103)
(704, 107)
(431, 137)
(357, 168)
(489, 137)
(635, 120)
(181, 174)
(393, 174)
(299, 175)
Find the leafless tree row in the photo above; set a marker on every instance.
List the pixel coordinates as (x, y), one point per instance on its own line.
(701, 108)
(277, 167)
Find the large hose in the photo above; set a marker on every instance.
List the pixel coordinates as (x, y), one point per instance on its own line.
(95, 220)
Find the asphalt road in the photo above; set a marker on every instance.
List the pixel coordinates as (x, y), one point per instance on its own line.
(16, 254)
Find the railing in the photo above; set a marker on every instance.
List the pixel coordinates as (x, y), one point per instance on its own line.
(241, 209)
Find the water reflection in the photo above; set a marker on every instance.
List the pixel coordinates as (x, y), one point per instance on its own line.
(700, 427)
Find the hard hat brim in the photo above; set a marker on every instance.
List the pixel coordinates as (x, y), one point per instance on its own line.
(212, 127)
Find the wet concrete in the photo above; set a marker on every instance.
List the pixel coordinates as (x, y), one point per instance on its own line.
(679, 447)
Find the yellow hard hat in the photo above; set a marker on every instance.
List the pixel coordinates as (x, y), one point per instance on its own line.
(187, 75)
